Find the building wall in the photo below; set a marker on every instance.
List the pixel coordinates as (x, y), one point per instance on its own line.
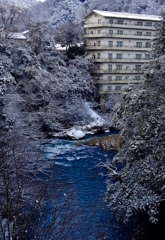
(119, 47)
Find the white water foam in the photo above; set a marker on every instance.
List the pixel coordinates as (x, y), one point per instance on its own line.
(63, 164)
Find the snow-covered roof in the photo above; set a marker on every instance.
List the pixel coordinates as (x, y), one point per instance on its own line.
(18, 35)
(60, 48)
(125, 15)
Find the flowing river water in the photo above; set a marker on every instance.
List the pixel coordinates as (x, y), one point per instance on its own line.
(83, 188)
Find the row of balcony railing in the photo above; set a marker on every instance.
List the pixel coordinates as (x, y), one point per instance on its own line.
(111, 35)
(104, 59)
(119, 91)
(102, 47)
(119, 82)
(132, 25)
(127, 71)
(104, 80)
(116, 86)
(103, 92)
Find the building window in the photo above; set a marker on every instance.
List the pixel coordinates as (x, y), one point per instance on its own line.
(118, 88)
(139, 23)
(139, 33)
(98, 67)
(138, 44)
(138, 67)
(99, 20)
(110, 67)
(91, 32)
(118, 67)
(138, 56)
(99, 31)
(98, 43)
(109, 78)
(149, 24)
(138, 78)
(147, 56)
(119, 44)
(111, 21)
(118, 78)
(119, 32)
(119, 21)
(98, 55)
(148, 34)
(109, 55)
(148, 45)
(98, 77)
(118, 56)
(110, 43)
(109, 88)
(110, 32)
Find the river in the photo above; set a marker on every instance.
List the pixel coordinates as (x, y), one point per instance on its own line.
(82, 189)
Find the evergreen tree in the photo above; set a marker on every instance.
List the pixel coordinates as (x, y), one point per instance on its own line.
(158, 48)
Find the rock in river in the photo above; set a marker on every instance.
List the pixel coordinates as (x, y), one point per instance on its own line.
(111, 142)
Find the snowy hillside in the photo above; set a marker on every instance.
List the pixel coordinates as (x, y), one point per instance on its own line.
(21, 3)
(56, 11)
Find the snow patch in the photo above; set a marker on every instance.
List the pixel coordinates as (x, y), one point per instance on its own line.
(76, 134)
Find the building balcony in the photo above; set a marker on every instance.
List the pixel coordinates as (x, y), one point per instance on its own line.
(113, 82)
(118, 36)
(106, 47)
(113, 90)
(115, 25)
(108, 92)
(124, 71)
(123, 60)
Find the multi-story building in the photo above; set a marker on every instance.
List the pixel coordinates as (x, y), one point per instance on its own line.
(119, 44)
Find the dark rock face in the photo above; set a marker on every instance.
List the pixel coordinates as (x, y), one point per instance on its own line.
(112, 142)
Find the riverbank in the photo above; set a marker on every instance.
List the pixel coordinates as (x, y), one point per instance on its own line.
(111, 142)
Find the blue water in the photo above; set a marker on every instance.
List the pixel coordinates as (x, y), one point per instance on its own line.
(82, 185)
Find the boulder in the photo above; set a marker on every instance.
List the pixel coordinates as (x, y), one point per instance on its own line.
(111, 142)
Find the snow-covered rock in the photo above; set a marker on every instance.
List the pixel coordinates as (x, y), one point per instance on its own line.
(76, 133)
(98, 120)
(96, 125)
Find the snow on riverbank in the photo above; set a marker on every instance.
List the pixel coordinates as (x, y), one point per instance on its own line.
(78, 132)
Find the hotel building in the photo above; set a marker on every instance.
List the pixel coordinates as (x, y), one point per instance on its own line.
(119, 44)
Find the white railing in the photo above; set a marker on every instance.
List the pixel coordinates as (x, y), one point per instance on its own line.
(124, 24)
(107, 34)
(102, 47)
(120, 60)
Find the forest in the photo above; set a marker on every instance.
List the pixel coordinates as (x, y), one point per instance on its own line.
(43, 92)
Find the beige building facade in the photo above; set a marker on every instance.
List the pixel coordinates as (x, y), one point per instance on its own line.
(119, 44)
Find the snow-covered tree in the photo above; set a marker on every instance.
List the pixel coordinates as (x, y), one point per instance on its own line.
(138, 180)
(43, 86)
(140, 6)
(39, 36)
(27, 189)
(69, 34)
(8, 18)
(158, 46)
